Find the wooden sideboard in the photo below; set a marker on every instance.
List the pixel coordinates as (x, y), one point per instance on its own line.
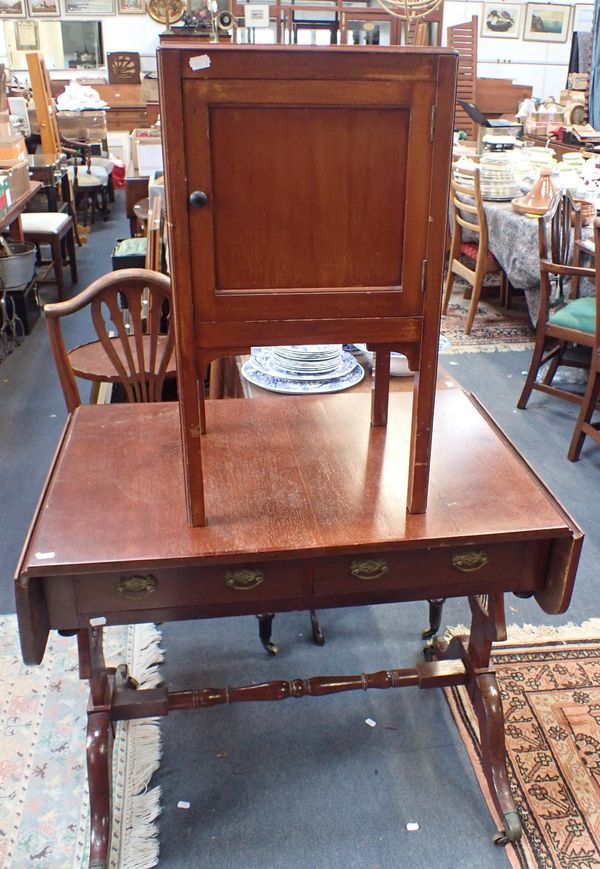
(127, 107)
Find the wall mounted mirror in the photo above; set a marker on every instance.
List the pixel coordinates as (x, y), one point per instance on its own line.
(65, 44)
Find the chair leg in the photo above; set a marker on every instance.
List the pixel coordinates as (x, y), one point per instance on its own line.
(453, 257)
(448, 287)
(104, 201)
(70, 239)
(588, 406)
(477, 285)
(59, 276)
(557, 356)
(505, 291)
(534, 366)
(85, 201)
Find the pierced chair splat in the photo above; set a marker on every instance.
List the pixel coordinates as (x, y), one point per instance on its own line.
(130, 311)
(470, 215)
(564, 320)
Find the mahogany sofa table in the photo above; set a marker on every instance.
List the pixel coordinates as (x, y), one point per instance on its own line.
(306, 512)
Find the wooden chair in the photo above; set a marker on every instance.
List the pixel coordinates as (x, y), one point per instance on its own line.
(470, 215)
(55, 230)
(562, 321)
(128, 311)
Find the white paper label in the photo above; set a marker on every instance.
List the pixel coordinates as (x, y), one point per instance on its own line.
(201, 61)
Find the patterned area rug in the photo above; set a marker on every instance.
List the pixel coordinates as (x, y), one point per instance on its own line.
(494, 328)
(550, 687)
(43, 781)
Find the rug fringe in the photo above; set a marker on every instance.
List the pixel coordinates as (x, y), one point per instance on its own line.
(589, 630)
(138, 844)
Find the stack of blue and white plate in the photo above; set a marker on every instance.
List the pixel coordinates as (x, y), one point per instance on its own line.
(303, 368)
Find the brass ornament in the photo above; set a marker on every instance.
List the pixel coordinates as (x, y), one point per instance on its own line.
(135, 587)
(244, 579)
(469, 562)
(166, 11)
(368, 569)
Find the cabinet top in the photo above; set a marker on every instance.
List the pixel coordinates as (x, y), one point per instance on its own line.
(197, 59)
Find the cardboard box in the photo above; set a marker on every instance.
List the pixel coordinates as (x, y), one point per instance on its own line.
(578, 81)
(150, 89)
(150, 157)
(148, 136)
(17, 173)
(5, 199)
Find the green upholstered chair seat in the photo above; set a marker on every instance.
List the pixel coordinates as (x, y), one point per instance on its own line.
(579, 314)
(131, 247)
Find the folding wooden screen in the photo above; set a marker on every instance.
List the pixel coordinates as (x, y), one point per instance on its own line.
(463, 37)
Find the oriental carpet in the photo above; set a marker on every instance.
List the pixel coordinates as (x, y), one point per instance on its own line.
(550, 687)
(43, 782)
(494, 328)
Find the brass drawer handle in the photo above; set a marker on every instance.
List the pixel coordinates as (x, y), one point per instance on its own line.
(469, 562)
(368, 568)
(244, 579)
(134, 587)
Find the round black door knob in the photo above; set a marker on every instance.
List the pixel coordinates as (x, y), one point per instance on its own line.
(198, 199)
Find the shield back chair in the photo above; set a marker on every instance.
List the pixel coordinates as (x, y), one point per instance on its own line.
(563, 320)
(470, 215)
(128, 312)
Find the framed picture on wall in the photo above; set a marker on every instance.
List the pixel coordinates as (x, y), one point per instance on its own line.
(501, 19)
(27, 37)
(131, 7)
(44, 8)
(547, 23)
(12, 9)
(89, 7)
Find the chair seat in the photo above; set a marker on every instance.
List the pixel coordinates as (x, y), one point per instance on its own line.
(84, 179)
(104, 163)
(579, 314)
(45, 223)
(90, 362)
(471, 250)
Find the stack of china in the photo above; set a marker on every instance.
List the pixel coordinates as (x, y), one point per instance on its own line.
(569, 172)
(574, 161)
(303, 368)
(521, 165)
(497, 177)
(464, 162)
(541, 157)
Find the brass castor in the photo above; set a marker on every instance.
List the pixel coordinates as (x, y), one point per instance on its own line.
(511, 833)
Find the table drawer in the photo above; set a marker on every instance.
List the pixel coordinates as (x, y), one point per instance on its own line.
(187, 587)
(514, 565)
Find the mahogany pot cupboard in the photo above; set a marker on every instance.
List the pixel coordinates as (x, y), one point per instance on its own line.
(307, 195)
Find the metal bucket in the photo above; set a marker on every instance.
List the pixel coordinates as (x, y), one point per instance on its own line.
(18, 269)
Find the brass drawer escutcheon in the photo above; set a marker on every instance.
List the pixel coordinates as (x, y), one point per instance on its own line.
(134, 587)
(244, 579)
(469, 562)
(368, 568)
